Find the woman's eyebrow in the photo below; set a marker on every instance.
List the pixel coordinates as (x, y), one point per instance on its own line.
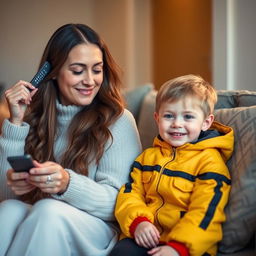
(84, 65)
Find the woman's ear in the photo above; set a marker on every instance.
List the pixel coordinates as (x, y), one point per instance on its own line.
(207, 122)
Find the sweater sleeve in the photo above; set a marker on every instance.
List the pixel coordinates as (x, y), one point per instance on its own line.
(97, 193)
(12, 142)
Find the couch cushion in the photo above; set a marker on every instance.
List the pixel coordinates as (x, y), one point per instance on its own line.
(240, 225)
(146, 124)
(134, 98)
(235, 98)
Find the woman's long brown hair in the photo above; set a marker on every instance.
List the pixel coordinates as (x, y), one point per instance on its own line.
(89, 129)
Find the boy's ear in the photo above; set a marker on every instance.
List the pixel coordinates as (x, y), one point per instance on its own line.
(207, 122)
(156, 117)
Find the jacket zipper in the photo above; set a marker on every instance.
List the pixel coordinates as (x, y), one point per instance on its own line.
(157, 186)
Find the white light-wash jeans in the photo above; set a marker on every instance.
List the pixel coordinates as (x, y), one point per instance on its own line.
(52, 227)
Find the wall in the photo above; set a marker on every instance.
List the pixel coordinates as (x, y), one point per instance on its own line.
(25, 29)
(234, 55)
(182, 39)
(126, 26)
(27, 25)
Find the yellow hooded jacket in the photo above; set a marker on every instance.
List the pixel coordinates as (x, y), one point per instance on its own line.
(182, 191)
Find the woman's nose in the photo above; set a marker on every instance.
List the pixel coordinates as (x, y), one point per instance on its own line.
(88, 79)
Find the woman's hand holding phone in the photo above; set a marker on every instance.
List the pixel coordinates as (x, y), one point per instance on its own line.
(28, 174)
(18, 182)
(50, 177)
(17, 178)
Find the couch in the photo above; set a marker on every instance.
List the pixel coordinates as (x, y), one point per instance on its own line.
(237, 109)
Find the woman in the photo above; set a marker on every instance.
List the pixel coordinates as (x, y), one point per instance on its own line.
(83, 142)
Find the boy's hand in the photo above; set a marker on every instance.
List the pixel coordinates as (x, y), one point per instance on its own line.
(146, 235)
(164, 250)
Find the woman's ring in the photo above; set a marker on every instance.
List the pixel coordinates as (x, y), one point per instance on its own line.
(48, 179)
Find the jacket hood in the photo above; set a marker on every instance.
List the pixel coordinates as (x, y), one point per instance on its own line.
(218, 136)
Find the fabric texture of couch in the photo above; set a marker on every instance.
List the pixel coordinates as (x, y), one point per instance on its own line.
(237, 109)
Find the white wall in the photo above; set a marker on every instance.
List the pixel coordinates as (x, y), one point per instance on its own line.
(244, 44)
(219, 72)
(234, 41)
(27, 25)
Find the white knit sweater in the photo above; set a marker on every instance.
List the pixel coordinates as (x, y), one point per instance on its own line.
(95, 194)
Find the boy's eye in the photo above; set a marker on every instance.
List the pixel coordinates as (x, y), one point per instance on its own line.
(188, 116)
(168, 116)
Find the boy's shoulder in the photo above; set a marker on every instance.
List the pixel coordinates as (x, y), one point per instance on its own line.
(150, 155)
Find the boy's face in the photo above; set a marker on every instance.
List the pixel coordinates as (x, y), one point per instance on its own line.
(181, 122)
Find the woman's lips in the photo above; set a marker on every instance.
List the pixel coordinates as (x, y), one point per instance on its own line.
(85, 92)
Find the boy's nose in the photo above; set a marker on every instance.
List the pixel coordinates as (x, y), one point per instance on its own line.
(177, 122)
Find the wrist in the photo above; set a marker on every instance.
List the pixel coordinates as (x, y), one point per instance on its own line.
(179, 247)
(136, 222)
(66, 182)
(15, 121)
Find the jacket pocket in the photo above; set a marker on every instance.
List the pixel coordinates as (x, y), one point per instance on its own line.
(146, 178)
(183, 185)
(147, 182)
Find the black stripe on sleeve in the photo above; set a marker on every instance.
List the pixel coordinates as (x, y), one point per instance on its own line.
(212, 206)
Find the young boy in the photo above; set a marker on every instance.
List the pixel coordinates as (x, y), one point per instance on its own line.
(174, 203)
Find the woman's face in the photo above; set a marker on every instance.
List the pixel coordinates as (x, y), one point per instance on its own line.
(81, 76)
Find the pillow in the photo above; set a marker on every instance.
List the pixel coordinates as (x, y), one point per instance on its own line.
(146, 124)
(246, 99)
(225, 99)
(240, 224)
(134, 98)
(235, 98)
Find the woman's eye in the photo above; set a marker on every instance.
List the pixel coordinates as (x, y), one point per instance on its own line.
(97, 71)
(77, 72)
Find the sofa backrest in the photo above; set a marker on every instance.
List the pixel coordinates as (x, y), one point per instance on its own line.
(141, 102)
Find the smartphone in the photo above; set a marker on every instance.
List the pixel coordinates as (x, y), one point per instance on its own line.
(21, 163)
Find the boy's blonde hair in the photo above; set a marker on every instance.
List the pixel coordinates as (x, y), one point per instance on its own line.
(188, 85)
